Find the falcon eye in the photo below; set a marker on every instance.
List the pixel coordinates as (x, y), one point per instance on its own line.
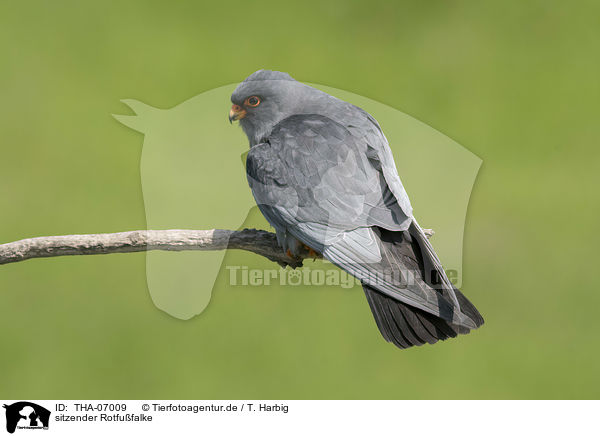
(252, 101)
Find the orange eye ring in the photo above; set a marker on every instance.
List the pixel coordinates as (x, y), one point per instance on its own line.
(252, 101)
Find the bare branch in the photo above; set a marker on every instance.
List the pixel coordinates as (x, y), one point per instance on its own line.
(257, 241)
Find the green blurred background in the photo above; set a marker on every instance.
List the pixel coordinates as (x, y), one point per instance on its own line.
(514, 82)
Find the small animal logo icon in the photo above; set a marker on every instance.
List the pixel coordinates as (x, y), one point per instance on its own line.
(26, 415)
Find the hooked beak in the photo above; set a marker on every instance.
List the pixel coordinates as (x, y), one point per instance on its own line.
(236, 113)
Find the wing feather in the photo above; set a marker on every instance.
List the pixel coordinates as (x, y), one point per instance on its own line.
(330, 189)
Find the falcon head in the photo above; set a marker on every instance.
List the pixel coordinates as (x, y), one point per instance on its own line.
(265, 98)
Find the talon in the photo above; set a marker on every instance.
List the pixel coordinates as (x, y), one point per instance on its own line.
(311, 253)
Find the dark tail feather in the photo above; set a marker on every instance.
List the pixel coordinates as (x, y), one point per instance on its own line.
(468, 308)
(406, 326)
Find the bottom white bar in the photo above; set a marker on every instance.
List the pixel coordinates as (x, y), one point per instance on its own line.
(255, 417)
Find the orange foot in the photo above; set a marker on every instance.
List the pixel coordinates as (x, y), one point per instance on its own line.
(311, 253)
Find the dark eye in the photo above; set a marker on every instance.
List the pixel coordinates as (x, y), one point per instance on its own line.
(252, 101)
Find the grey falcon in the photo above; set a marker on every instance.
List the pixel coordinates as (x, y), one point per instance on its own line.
(323, 175)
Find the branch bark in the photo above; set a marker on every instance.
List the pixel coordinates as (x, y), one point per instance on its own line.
(256, 241)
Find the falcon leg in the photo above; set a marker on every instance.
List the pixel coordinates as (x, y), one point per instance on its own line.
(311, 253)
(293, 248)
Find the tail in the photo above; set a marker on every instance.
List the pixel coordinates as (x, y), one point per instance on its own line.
(405, 325)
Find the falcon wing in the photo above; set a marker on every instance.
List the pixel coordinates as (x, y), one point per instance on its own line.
(314, 179)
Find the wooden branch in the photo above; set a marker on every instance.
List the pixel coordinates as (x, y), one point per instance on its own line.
(257, 241)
